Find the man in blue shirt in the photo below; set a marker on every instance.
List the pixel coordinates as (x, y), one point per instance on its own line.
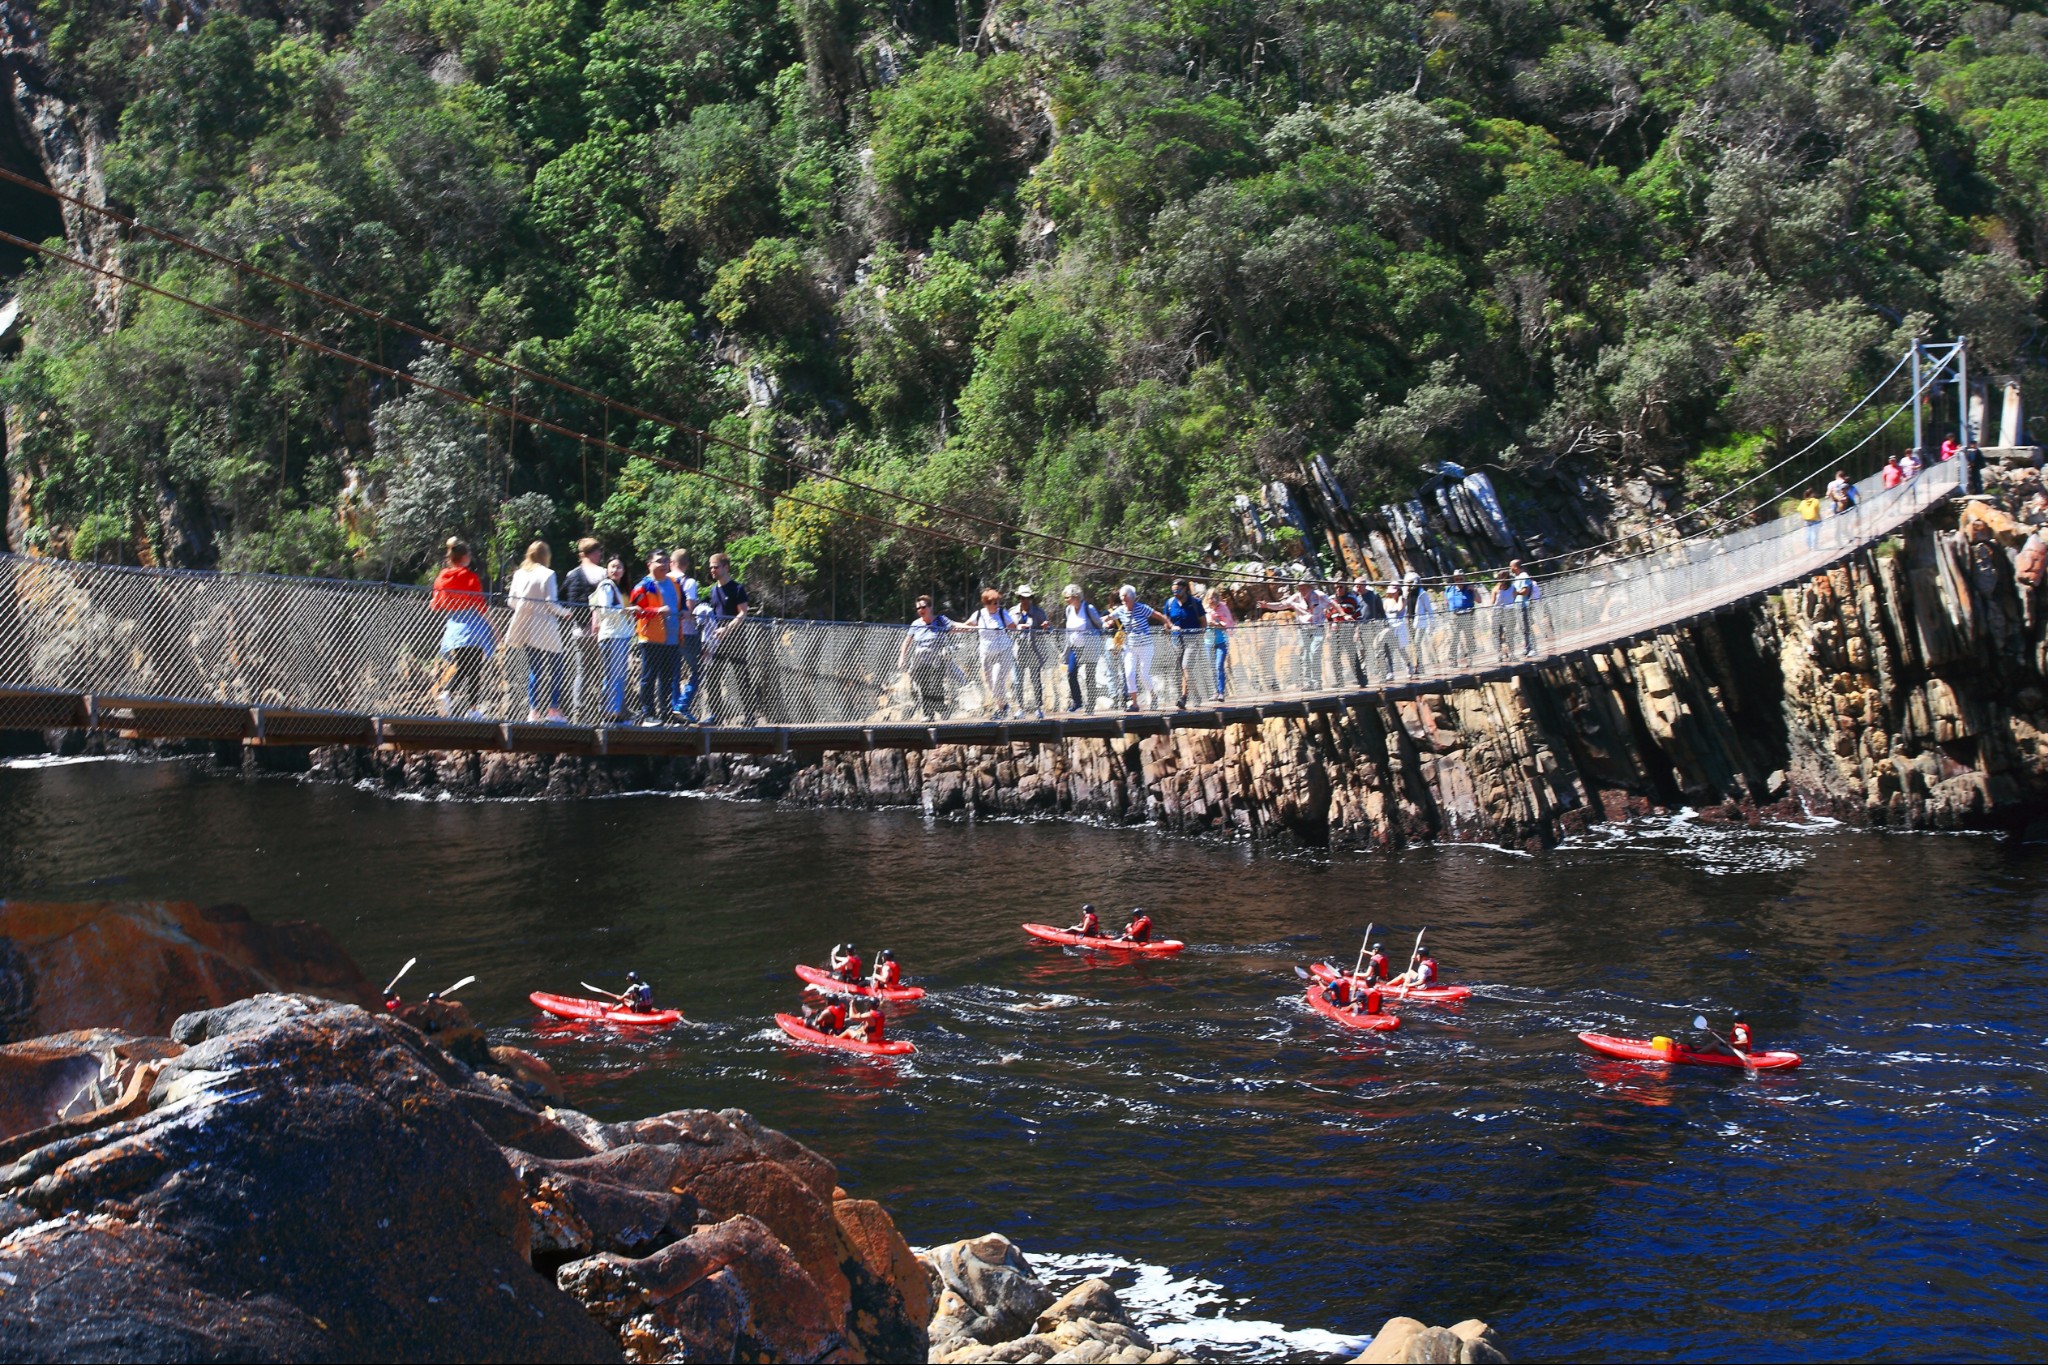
(924, 651)
(1184, 609)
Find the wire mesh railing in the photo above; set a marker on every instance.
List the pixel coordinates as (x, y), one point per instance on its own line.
(153, 641)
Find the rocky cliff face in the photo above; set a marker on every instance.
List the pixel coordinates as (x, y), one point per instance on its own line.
(1908, 688)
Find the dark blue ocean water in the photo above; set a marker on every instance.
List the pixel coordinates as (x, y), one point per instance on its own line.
(1260, 1184)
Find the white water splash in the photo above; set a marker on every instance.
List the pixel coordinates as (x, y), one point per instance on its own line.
(1192, 1314)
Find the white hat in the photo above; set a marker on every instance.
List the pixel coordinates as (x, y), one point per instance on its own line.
(1414, 577)
(1027, 591)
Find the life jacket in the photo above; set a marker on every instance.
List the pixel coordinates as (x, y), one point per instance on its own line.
(888, 974)
(1372, 999)
(1140, 930)
(1338, 992)
(1425, 972)
(1091, 926)
(1740, 1037)
(1376, 967)
(850, 969)
(640, 997)
(873, 1026)
(831, 1019)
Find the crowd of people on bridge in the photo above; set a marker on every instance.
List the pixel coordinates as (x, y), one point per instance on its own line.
(571, 641)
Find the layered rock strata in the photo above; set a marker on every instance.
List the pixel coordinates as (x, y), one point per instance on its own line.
(290, 1178)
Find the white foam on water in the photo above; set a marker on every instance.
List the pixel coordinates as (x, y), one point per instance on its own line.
(1191, 1314)
(61, 760)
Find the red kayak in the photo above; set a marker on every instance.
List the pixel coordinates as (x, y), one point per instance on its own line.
(818, 976)
(1642, 1050)
(1159, 946)
(1426, 995)
(600, 1011)
(804, 1033)
(1351, 1016)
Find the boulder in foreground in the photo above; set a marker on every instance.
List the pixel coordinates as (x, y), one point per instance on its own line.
(295, 1179)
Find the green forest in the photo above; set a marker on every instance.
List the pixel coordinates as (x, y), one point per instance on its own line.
(1093, 267)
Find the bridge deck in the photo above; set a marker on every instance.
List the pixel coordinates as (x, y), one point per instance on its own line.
(275, 661)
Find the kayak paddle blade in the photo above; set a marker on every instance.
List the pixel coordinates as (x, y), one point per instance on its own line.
(1699, 1021)
(410, 963)
(457, 986)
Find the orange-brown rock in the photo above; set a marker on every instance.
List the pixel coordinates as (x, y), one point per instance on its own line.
(137, 967)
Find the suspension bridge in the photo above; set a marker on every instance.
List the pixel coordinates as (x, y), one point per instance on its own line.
(166, 654)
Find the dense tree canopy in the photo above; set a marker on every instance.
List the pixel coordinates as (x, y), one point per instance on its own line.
(1095, 268)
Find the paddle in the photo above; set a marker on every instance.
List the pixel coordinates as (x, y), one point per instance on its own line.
(1408, 977)
(1699, 1021)
(456, 987)
(410, 963)
(616, 995)
(1359, 966)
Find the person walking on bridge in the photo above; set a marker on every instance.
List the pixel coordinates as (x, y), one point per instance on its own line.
(1462, 603)
(996, 629)
(1526, 591)
(1809, 512)
(577, 587)
(1221, 620)
(1184, 610)
(467, 640)
(924, 655)
(727, 670)
(1138, 622)
(1031, 630)
(689, 639)
(1310, 607)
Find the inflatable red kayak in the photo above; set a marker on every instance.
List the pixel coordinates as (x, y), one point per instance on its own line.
(600, 1011)
(1427, 995)
(1159, 946)
(1642, 1050)
(802, 1032)
(1350, 1017)
(818, 976)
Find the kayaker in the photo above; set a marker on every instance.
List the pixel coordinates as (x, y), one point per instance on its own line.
(1139, 930)
(1090, 926)
(639, 995)
(1422, 974)
(827, 1015)
(888, 976)
(1375, 968)
(846, 964)
(1739, 1037)
(1337, 990)
(868, 1026)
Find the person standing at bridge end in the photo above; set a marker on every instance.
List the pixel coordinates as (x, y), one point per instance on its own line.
(1525, 592)
(1893, 475)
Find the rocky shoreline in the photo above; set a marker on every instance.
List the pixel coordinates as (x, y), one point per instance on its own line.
(1905, 689)
(292, 1175)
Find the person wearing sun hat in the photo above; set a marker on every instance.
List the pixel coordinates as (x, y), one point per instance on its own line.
(1031, 627)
